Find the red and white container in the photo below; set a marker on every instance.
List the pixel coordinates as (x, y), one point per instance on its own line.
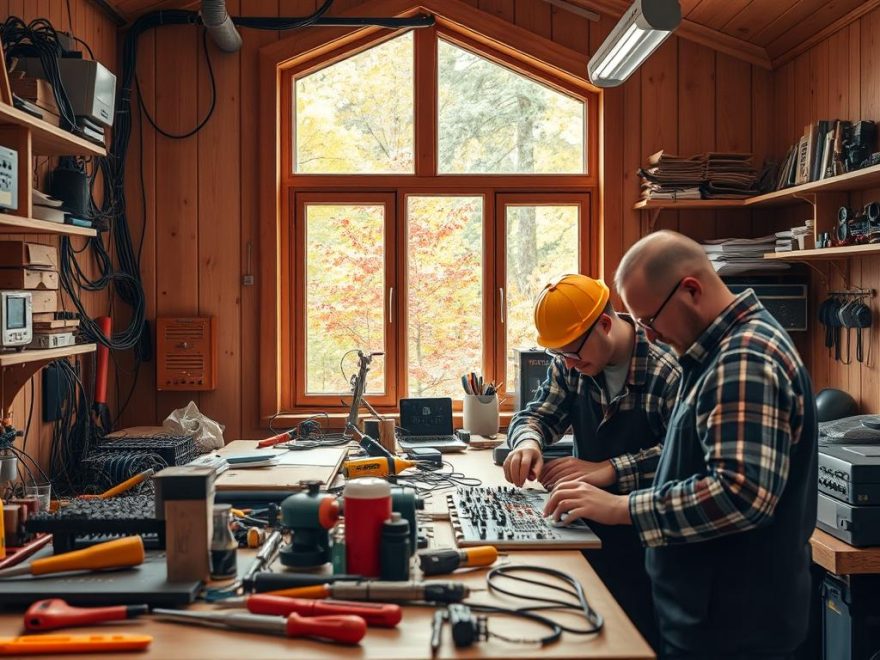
(366, 506)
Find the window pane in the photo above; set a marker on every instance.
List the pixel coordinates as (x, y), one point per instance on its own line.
(492, 120)
(344, 293)
(542, 242)
(356, 116)
(444, 297)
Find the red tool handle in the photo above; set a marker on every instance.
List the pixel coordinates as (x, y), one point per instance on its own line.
(54, 613)
(275, 439)
(382, 615)
(101, 360)
(347, 629)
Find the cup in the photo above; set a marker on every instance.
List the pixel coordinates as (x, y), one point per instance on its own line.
(366, 507)
(42, 492)
(480, 414)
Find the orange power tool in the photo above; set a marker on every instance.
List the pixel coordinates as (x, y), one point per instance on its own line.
(54, 613)
(284, 436)
(382, 615)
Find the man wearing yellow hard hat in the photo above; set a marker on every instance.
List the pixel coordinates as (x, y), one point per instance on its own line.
(616, 390)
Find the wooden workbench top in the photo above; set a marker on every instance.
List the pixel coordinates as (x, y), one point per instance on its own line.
(841, 558)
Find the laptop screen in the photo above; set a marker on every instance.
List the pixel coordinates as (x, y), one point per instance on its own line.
(426, 416)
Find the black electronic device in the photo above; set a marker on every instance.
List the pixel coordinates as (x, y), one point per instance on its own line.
(8, 179)
(857, 227)
(529, 371)
(788, 303)
(560, 449)
(146, 583)
(850, 473)
(426, 455)
(850, 616)
(427, 422)
(860, 140)
(511, 518)
(857, 525)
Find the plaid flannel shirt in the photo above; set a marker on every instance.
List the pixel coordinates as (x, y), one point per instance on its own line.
(747, 417)
(652, 383)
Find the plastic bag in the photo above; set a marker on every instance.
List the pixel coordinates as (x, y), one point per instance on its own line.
(206, 433)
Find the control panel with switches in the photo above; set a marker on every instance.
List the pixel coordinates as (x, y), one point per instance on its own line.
(8, 179)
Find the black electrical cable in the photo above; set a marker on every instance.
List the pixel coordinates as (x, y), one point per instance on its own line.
(581, 605)
(278, 24)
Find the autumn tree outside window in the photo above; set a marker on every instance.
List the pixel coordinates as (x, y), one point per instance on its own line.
(433, 184)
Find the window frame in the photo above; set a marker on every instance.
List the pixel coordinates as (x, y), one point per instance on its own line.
(546, 61)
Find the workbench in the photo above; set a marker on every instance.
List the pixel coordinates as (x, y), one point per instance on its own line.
(411, 639)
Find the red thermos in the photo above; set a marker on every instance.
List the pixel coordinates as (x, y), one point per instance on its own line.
(367, 505)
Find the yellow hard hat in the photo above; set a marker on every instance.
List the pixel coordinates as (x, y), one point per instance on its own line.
(567, 307)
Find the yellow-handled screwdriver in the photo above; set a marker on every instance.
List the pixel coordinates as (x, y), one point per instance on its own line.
(119, 553)
(443, 562)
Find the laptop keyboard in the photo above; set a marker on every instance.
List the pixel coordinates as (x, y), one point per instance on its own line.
(430, 438)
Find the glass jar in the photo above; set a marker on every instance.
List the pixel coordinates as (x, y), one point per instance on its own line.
(224, 547)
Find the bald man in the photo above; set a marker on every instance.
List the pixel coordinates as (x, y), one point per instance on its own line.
(728, 518)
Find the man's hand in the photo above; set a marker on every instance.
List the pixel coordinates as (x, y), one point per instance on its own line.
(524, 462)
(576, 500)
(574, 469)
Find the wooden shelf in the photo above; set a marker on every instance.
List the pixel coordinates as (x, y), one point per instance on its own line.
(707, 204)
(46, 355)
(49, 140)
(863, 179)
(13, 224)
(826, 254)
(841, 558)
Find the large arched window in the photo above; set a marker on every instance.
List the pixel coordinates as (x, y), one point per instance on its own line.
(431, 181)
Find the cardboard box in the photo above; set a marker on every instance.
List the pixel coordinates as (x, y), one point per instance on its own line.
(19, 254)
(28, 278)
(44, 301)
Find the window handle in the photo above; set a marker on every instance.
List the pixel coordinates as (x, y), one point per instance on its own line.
(501, 310)
(390, 304)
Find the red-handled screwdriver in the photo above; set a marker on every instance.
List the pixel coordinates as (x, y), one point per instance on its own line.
(382, 615)
(54, 613)
(347, 629)
(284, 436)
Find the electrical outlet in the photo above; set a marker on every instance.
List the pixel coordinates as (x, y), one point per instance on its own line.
(247, 280)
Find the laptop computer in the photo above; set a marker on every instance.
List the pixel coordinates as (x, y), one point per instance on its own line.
(428, 423)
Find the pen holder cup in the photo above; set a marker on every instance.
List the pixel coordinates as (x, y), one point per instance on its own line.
(480, 414)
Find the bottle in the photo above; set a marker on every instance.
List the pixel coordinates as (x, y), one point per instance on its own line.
(367, 505)
(337, 549)
(224, 547)
(395, 551)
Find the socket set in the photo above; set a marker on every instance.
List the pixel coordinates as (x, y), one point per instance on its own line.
(509, 517)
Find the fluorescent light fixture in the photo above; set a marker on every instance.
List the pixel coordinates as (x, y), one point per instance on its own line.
(638, 33)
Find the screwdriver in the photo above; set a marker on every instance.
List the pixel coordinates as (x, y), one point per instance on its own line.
(267, 581)
(442, 562)
(376, 466)
(264, 558)
(440, 592)
(119, 553)
(382, 615)
(347, 629)
(54, 613)
(284, 436)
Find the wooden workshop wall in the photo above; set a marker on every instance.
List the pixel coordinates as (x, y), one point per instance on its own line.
(96, 29)
(202, 205)
(839, 78)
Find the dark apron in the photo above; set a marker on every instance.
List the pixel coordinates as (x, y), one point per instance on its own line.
(621, 562)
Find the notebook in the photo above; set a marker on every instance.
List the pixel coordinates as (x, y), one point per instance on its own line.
(427, 422)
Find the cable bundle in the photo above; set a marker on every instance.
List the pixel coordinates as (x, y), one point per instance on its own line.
(72, 435)
(39, 39)
(104, 469)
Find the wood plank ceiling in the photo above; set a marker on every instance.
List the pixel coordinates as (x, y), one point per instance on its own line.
(763, 32)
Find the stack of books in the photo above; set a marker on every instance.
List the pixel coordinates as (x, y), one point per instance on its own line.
(730, 176)
(818, 154)
(673, 177)
(732, 256)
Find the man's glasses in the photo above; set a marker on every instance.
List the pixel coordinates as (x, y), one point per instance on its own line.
(648, 324)
(576, 355)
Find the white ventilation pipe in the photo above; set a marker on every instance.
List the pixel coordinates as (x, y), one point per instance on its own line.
(220, 26)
